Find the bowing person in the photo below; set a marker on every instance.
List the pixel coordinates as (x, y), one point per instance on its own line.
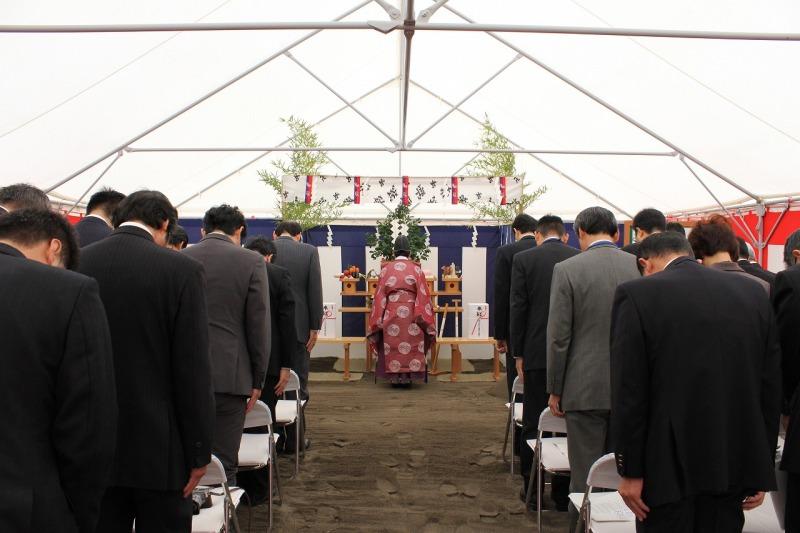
(156, 306)
(786, 300)
(695, 372)
(58, 428)
(531, 276)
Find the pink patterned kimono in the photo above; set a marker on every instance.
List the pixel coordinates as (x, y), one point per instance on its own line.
(401, 324)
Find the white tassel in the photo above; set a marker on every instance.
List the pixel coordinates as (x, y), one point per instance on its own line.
(474, 236)
(330, 236)
(427, 237)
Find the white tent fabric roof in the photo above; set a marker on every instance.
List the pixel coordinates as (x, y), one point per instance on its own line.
(69, 98)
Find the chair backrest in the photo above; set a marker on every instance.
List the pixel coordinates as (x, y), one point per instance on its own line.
(550, 422)
(215, 473)
(293, 384)
(603, 473)
(258, 416)
(518, 387)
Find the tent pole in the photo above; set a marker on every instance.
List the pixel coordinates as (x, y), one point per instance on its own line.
(386, 26)
(340, 97)
(742, 227)
(761, 211)
(610, 107)
(774, 229)
(91, 186)
(391, 149)
(461, 102)
(534, 156)
(202, 99)
(266, 153)
(405, 73)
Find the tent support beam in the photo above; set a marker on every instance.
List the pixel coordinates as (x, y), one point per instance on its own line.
(463, 100)
(610, 107)
(742, 227)
(386, 26)
(340, 97)
(266, 153)
(91, 186)
(773, 230)
(405, 61)
(203, 98)
(393, 149)
(534, 156)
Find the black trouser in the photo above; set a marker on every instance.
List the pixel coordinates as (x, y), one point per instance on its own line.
(228, 426)
(534, 400)
(511, 374)
(717, 513)
(256, 482)
(155, 511)
(792, 513)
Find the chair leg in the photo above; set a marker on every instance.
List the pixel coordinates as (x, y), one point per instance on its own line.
(233, 515)
(505, 442)
(276, 476)
(270, 494)
(513, 431)
(539, 487)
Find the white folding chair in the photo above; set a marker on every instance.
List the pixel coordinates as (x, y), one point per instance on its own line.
(615, 516)
(221, 513)
(551, 456)
(514, 413)
(288, 412)
(257, 450)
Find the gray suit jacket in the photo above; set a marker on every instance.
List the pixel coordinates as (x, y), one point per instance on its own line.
(302, 262)
(237, 295)
(579, 325)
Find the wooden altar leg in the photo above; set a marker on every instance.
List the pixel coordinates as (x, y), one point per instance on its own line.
(455, 362)
(347, 361)
(496, 363)
(368, 357)
(434, 359)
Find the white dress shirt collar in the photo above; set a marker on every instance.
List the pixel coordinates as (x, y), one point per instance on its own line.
(138, 225)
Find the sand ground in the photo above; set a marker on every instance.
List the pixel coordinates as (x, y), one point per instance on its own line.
(395, 460)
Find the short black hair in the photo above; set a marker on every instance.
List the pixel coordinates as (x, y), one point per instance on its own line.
(676, 227)
(178, 235)
(596, 220)
(23, 196)
(108, 199)
(32, 226)
(713, 235)
(650, 220)
(224, 218)
(402, 244)
(551, 224)
(660, 244)
(792, 244)
(524, 223)
(149, 207)
(288, 226)
(744, 252)
(263, 246)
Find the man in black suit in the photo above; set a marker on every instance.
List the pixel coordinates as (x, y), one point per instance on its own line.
(22, 196)
(178, 239)
(695, 372)
(96, 225)
(531, 276)
(57, 381)
(282, 315)
(747, 262)
(237, 298)
(156, 306)
(786, 300)
(645, 223)
(524, 227)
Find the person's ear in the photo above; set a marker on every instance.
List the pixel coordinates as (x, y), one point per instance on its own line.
(164, 226)
(642, 262)
(565, 238)
(54, 253)
(796, 255)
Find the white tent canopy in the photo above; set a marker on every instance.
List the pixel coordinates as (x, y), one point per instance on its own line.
(71, 98)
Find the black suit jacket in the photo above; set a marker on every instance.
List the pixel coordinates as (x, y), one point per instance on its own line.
(786, 299)
(282, 314)
(92, 229)
(502, 284)
(58, 425)
(156, 306)
(758, 271)
(531, 276)
(695, 372)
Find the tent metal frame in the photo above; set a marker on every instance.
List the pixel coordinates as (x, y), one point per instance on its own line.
(405, 20)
